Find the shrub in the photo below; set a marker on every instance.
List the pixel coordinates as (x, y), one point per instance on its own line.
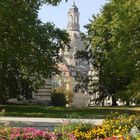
(61, 97)
(58, 98)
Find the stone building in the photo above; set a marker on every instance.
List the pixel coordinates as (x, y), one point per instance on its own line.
(70, 64)
(73, 29)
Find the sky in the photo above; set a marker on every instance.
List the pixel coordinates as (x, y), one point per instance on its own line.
(59, 14)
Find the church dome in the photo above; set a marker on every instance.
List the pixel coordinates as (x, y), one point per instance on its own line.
(74, 8)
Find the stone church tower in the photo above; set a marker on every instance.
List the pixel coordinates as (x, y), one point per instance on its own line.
(70, 64)
(73, 29)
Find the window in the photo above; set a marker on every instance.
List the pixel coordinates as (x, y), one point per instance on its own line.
(76, 19)
(71, 18)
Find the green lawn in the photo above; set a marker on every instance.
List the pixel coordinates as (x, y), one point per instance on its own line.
(61, 112)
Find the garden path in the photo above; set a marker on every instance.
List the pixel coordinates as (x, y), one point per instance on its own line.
(42, 123)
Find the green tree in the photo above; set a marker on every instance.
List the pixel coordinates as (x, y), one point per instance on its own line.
(29, 48)
(114, 37)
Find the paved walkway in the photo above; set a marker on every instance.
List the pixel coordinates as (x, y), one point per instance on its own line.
(49, 123)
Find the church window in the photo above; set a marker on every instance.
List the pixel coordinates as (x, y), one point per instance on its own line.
(71, 18)
(76, 19)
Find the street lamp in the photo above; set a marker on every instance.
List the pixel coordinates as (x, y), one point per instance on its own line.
(53, 82)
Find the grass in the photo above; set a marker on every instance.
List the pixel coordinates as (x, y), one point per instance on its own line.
(63, 112)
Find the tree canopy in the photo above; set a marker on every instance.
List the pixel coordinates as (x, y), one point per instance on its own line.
(29, 48)
(114, 39)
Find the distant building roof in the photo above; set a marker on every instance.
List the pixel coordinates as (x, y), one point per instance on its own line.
(63, 67)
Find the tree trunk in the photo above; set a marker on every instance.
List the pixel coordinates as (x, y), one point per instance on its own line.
(2, 100)
(103, 103)
(114, 103)
(2, 84)
(127, 103)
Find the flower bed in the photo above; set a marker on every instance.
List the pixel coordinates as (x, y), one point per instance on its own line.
(117, 127)
(114, 127)
(26, 134)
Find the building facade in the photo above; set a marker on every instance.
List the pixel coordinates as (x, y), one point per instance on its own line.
(70, 65)
(73, 29)
(70, 60)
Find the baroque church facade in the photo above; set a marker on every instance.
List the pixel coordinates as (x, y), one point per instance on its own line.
(73, 29)
(70, 64)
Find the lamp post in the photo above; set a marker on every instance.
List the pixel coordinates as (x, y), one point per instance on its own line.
(52, 77)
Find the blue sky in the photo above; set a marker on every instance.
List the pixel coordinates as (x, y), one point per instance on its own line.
(59, 14)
